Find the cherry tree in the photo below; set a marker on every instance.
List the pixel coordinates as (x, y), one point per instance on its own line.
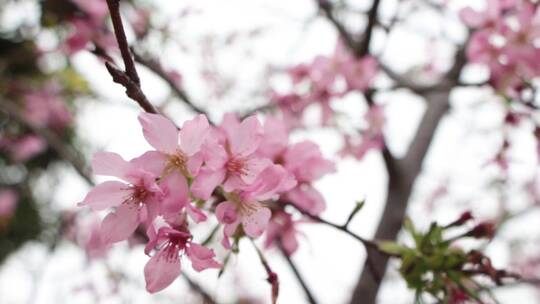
(438, 96)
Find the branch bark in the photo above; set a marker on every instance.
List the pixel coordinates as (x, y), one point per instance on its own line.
(401, 178)
(130, 78)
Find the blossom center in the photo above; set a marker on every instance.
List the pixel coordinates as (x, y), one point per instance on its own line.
(237, 165)
(179, 161)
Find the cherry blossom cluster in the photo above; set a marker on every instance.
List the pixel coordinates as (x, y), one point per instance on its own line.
(42, 107)
(506, 41)
(371, 137)
(323, 80)
(243, 172)
(87, 20)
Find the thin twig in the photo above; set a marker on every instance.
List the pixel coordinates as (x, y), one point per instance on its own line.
(131, 71)
(129, 79)
(327, 9)
(196, 287)
(363, 48)
(272, 276)
(133, 90)
(298, 275)
(157, 69)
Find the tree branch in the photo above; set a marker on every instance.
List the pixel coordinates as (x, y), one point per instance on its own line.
(131, 71)
(363, 48)
(328, 11)
(298, 275)
(129, 79)
(401, 180)
(157, 69)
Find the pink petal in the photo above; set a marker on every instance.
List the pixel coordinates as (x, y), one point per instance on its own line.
(205, 183)
(194, 163)
(161, 270)
(226, 213)
(106, 195)
(196, 214)
(273, 180)
(193, 134)
(151, 161)
(159, 132)
(214, 155)
(201, 257)
(289, 242)
(254, 166)
(233, 183)
(308, 199)
(247, 137)
(110, 164)
(176, 192)
(120, 225)
(152, 210)
(472, 18)
(276, 137)
(256, 222)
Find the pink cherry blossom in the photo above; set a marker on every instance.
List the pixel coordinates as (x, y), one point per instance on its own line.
(165, 266)
(26, 147)
(86, 30)
(305, 161)
(245, 208)
(46, 108)
(282, 231)
(275, 138)
(95, 9)
(178, 150)
(488, 18)
(136, 198)
(359, 74)
(90, 236)
(234, 162)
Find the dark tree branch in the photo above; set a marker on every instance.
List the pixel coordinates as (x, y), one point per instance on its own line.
(326, 7)
(131, 71)
(129, 79)
(272, 278)
(401, 180)
(298, 276)
(207, 299)
(133, 90)
(363, 48)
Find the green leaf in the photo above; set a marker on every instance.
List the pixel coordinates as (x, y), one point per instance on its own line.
(391, 247)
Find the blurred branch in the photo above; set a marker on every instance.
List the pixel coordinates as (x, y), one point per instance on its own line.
(363, 48)
(207, 299)
(298, 275)
(401, 179)
(272, 276)
(157, 69)
(63, 150)
(328, 10)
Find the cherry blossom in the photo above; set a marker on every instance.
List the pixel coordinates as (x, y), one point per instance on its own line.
(165, 266)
